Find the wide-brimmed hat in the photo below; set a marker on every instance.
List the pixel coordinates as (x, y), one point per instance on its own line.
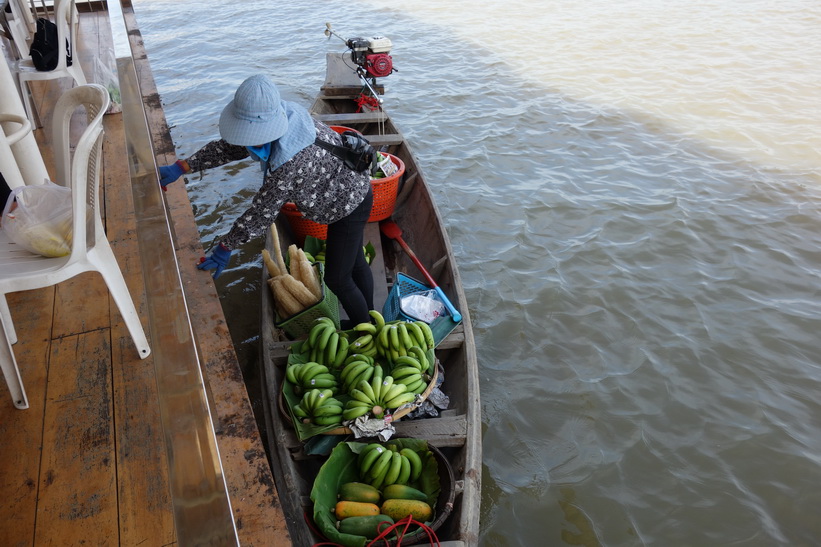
(256, 115)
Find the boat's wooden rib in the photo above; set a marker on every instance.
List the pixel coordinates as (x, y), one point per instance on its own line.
(352, 117)
(378, 141)
(457, 431)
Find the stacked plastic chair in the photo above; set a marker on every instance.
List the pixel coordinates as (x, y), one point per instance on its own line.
(90, 251)
(65, 16)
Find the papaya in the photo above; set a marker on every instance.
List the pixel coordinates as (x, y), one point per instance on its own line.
(347, 509)
(398, 509)
(359, 491)
(403, 492)
(369, 526)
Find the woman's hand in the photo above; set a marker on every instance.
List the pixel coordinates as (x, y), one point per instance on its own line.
(217, 261)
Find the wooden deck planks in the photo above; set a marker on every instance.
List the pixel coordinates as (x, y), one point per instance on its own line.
(22, 431)
(77, 487)
(86, 463)
(143, 489)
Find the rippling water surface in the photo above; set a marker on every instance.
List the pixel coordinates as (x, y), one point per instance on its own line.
(632, 191)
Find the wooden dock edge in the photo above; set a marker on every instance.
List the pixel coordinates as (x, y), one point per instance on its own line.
(257, 513)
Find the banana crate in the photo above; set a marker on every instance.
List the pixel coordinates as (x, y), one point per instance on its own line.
(299, 324)
(392, 310)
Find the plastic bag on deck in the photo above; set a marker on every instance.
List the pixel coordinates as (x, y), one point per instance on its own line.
(105, 74)
(39, 218)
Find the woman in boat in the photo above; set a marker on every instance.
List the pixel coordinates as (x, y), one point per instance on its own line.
(280, 134)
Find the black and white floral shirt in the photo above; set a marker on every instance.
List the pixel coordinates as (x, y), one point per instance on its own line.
(318, 182)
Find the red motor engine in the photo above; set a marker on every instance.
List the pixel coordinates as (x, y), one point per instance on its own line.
(372, 54)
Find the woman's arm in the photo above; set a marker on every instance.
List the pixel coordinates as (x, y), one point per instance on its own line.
(214, 154)
(275, 191)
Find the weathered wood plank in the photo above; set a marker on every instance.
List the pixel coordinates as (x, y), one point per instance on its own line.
(21, 431)
(353, 117)
(384, 140)
(380, 289)
(441, 431)
(453, 340)
(77, 484)
(145, 510)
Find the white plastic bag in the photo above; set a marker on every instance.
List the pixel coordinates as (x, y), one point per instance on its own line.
(423, 305)
(105, 74)
(39, 218)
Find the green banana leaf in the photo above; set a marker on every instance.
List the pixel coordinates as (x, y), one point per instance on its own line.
(341, 467)
(306, 431)
(370, 252)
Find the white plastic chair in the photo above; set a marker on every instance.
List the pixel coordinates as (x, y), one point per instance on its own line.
(20, 25)
(90, 251)
(64, 17)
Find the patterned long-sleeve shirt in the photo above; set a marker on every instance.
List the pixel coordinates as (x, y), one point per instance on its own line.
(318, 183)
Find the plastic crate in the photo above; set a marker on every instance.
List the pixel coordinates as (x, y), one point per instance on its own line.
(392, 310)
(301, 323)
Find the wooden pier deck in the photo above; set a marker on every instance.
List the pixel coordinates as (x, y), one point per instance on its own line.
(87, 462)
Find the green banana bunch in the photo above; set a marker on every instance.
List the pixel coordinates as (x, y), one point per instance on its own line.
(319, 407)
(307, 376)
(325, 345)
(397, 337)
(412, 371)
(382, 466)
(356, 368)
(366, 333)
(377, 396)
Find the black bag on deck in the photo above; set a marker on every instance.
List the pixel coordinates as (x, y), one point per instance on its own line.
(44, 46)
(356, 151)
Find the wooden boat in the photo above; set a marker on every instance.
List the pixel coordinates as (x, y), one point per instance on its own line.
(456, 432)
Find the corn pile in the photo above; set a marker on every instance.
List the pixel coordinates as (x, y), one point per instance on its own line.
(294, 289)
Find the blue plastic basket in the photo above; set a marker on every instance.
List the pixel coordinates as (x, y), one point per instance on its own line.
(392, 310)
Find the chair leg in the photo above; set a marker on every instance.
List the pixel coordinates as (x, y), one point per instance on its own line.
(28, 103)
(107, 266)
(77, 73)
(5, 315)
(9, 365)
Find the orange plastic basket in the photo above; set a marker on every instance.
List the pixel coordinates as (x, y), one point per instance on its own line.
(385, 191)
(302, 226)
(341, 129)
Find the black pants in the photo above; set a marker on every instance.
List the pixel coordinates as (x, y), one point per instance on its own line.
(347, 272)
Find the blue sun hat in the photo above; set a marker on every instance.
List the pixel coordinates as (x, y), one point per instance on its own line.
(256, 115)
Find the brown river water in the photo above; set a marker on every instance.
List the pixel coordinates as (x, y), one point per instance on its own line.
(632, 191)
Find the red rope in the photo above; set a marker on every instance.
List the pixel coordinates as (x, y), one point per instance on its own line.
(367, 101)
(405, 523)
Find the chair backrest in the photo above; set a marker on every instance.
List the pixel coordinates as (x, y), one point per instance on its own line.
(80, 171)
(64, 14)
(19, 27)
